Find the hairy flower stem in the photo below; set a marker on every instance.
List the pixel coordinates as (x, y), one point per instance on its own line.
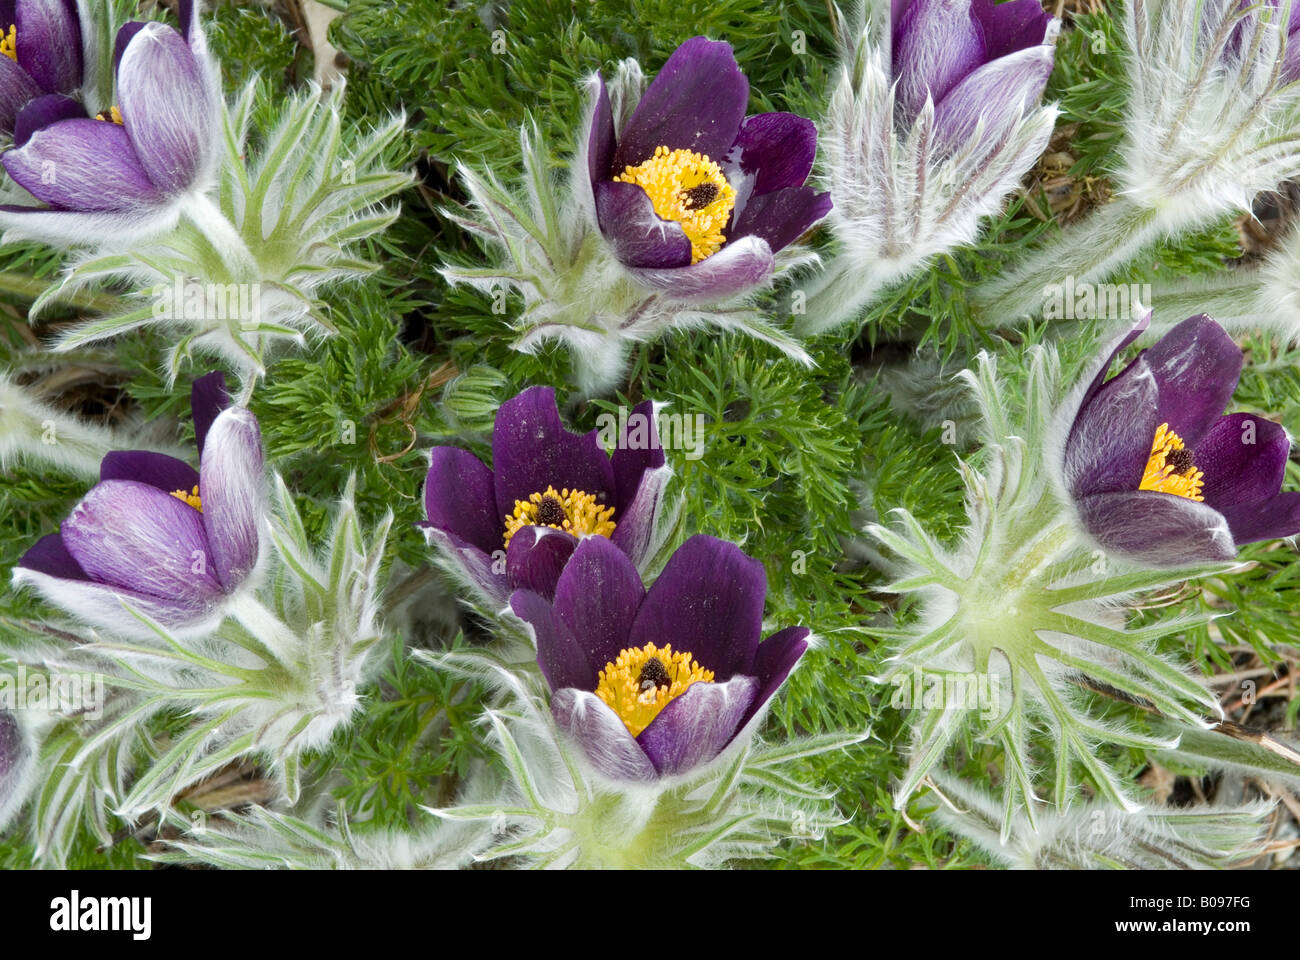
(1235, 298)
(843, 290)
(1107, 241)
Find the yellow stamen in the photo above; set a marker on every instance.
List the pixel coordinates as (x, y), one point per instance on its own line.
(642, 682)
(1170, 468)
(9, 43)
(570, 510)
(114, 116)
(191, 498)
(690, 189)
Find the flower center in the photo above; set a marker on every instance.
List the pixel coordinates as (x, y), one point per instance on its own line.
(642, 682)
(190, 498)
(114, 116)
(570, 510)
(1171, 468)
(9, 43)
(687, 188)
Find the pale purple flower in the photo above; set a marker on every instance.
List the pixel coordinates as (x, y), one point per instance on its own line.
(40, 53)
(592, 641)
(175, 543)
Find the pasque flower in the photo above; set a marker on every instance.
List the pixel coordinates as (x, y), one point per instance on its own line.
(516, 524)
(130, 164)
(657, 683)
(40, 53)
(172, 542)
(1158, 474)
(934, 120)
(693, 196)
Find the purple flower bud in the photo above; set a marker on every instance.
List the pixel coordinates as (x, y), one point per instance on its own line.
(694, 197)
(1158, 474)
(657, 683)
(547, 488)
(976, 60)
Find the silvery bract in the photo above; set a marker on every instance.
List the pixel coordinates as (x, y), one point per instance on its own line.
(1097, 836)
(932, 122)
(1212, 119)
(33, 432)
(15, 767)
(678, 207)
(224, 245)
(1073, 512)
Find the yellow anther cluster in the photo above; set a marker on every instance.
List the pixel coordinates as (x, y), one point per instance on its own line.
(190, 498)
(642, 682)
(571, 510)
(9, 43)
(1170, 468)
(688, 188)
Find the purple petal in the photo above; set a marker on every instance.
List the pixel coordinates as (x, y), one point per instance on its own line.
(601, 735)
(531, 450)
(459, 498)
(936, 44)
(781, 217)
(16, 90)
(125, 34)
(208, 397)
(777, 656)
(696, 102)
(776, 149)
(166, 108)
(156, 469)
(131, 535)
(1271, 519)
(82, 165)
(50, 556)
(600, 138)
(1157, 529)
(708, 602)
(997, 95)
(638, 450)
(1196, 366)
(1110, 442)
(596, 599)
(1111, 351)
(233, 491)
(735, 269)
(44, 111)
(1009, 27)
(639, 236)
(1244, 459)
(535, 558)
(695, 727)
(48, 38)
(558, 654)
(14, 755)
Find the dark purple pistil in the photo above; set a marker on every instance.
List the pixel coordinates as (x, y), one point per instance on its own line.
(654, 673)
(1181, 460)
(700, 196)
(550, 513)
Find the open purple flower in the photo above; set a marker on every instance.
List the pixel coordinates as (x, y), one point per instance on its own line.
(131, 162)
(694, 197)
(1158, 474)
(173, 542)
(657, 683)
(41, 47)
(977, 60)
(517, 524)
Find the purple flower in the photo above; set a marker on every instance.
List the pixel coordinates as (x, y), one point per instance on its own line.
(135, 158)
(656, 683)
(174, 543)
(1156, 472)
(978, 61)
(548, 487)
(694, 197)
(40, 43)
